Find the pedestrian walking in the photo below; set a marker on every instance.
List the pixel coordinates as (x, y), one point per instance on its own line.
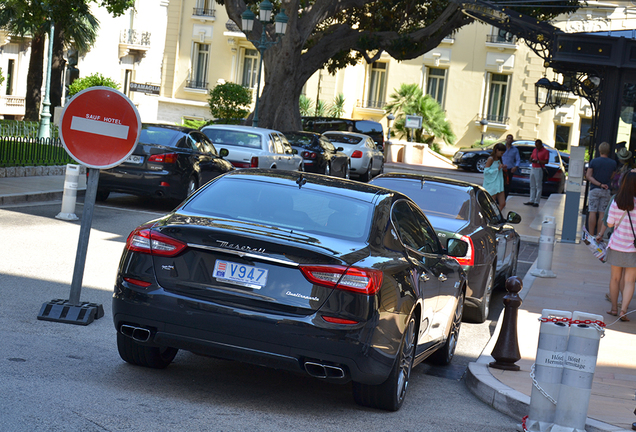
(599, 174)
(540, 156)
(493, 175)
(510, 161)
(621, 249)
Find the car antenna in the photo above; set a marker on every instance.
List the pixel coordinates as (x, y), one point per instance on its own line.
(301, 181)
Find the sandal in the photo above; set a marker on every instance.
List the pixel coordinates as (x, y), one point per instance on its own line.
(612, 313)
(623, 316)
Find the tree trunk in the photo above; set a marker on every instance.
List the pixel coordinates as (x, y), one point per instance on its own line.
(34, 79)
(57, 69)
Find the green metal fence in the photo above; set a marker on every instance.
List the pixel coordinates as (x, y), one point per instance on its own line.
(19, 128)
(19, 151)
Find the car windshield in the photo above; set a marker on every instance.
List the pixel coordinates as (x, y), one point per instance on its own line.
(222, 137)
(343, 139)
(289, 208)
(159, 136)
(435, 199)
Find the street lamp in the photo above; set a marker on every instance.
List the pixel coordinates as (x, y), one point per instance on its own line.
(484, 127)
(45, 122)
(262, 44)
(389, 122)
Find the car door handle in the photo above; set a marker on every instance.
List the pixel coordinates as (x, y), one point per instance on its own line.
(442, 277)
(424, 277)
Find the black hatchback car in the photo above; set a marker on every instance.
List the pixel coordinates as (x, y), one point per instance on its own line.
(168, 162)
(319, 154)
(333, 278)
(474, 159)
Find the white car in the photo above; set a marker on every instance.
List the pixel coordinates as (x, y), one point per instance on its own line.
(254, 147)
(366, 160)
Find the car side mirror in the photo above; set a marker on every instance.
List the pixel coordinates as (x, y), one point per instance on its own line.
(456, 247)
(294, 151)
(513, 217)
(224, 152)
(340, 149)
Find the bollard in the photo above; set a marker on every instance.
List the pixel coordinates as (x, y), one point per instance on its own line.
(548, 368)
(506, 350)
(70, 193)
(546, 248)
(579, 364)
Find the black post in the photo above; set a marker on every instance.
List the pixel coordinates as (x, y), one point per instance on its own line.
(506, 351)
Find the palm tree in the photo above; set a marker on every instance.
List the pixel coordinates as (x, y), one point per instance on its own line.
(337, 107)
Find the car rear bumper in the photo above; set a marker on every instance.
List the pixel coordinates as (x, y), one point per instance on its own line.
(275, 340)
(162, 184)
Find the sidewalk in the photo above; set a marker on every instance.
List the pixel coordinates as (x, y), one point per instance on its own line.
(580, 285)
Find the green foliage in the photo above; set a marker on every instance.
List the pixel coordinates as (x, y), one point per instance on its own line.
(487, 142)
(230, 102)
(320, 109)
(1, 77)
(91, 81)
(306, 105)
(410, 100)
(336, 109)
(194, 124)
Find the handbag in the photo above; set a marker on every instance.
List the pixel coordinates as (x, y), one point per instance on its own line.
(630, 223)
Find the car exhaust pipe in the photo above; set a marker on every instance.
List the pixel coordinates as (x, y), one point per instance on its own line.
(159, 194)
(137, 333)
(322, 371)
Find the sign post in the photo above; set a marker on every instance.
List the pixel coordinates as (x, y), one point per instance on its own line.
(413, 122)
(99, 128)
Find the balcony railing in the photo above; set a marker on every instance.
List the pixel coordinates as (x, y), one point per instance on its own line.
(195, 84)
(134, 37)
(12, 105)
(499, 39)
(204, 12)
(371, 104)
(492, 118)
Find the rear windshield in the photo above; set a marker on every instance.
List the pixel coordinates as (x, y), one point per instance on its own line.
(343, 139)
(159, 136)
(368, 127)
(289, 208)
(526, 152)
(301, 140)
(434, 199)
(233, 138)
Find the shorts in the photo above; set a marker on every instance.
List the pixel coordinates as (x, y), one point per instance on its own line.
(621, 259)
(598, 200)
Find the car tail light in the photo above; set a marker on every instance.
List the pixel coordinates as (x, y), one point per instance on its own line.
(359, 280)
(308, 155)
(137, 282)
(558, 175)
(469, 258)
(334, 320)
(241, 164)
(254, 162)
(356, 154)
(145, 240)
(163, 158)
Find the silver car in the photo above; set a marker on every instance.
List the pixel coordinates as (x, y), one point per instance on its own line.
(254, 147)
(366, 160)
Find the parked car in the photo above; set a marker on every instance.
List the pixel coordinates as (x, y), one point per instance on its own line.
(367, 127)
(461, 210)
(334, 278)
(366, 160)
(319, 154)
(554, 182)
(168, 162)
(254, 147)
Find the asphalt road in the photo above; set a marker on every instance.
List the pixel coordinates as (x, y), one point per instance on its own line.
(62, 377)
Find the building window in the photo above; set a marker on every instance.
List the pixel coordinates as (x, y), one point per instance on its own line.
(435, 84)
(9, 77)
(497, 99)
(200, 62)
(498, 35)
(204, 8)
(562, 137)
(377, 86)
(250, 68)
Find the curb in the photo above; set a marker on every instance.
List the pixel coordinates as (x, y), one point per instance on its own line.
(28, 198)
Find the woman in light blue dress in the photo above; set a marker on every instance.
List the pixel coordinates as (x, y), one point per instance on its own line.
(493, 175)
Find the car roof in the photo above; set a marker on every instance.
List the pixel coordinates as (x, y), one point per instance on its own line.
(252, 129)
(312, 134)
(347, 133)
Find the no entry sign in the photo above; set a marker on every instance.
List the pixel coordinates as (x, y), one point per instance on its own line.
(100, 127)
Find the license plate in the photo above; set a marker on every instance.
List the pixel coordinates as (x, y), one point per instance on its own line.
(240, 274)
(525, 171)
(135, 159)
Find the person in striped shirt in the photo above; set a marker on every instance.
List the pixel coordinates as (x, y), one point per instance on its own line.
(621, 252)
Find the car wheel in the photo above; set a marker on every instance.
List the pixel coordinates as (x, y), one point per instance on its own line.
(381, 170)
(444, 355)
(140, 355)
(348, 171)
(484, 307)
(102, 195)
(480, 164)
(367, 174)
(390, 394)
(301, 167)
(193, 185)
(327, 169)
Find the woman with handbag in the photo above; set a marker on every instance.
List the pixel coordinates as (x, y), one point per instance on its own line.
(621, 249)
(494, 177)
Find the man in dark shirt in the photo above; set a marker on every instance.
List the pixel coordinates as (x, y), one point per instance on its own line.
(599, 174)
(540, 156)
